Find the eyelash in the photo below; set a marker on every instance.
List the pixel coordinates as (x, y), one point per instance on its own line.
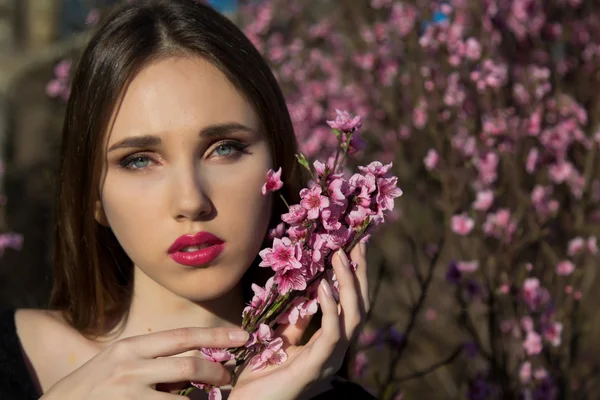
(238, 148)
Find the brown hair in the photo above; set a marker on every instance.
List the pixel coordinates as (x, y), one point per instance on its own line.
(92, 273)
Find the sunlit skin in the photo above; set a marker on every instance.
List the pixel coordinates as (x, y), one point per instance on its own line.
(185, 153)
(205, 174)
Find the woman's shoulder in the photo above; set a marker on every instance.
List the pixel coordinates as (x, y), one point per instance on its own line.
(48, 346)
(16, 378)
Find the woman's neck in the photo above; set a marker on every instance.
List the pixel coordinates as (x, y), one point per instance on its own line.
(155, 308)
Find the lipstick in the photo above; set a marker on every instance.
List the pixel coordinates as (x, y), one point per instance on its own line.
(210, 248)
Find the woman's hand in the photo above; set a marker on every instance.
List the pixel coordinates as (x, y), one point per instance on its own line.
(130, 368)
(323, 355)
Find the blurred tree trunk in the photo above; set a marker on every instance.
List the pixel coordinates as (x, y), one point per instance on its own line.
(41, 19)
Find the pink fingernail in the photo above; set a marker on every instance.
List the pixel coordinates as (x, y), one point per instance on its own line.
(326, 288)
(363, 248)
(343, 258)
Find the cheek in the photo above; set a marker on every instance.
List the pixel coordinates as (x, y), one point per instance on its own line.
(129, 205)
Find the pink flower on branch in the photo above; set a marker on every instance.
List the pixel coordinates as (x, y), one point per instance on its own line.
(532, 343)
(462, 225)
(283, 256)
(313, 201)
(344, 122)
(273, 182)
(565, 268)
(483, 200)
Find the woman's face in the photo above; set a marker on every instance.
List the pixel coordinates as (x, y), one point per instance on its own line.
(185, 154)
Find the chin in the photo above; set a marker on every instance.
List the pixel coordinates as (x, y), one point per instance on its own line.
(208, 284)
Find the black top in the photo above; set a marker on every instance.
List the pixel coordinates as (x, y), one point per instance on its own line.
(16, 382)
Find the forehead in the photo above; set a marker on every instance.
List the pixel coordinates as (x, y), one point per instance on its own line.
(179, 94)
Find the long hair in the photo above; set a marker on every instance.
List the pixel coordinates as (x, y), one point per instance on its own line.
(92, 273)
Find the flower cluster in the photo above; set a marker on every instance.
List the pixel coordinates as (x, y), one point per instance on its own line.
(488, 109)
(335, 212)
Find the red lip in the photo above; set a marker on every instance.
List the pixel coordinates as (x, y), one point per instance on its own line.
(198, 239)
(199, 257)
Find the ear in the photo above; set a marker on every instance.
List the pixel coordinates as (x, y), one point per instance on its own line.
(99, 214)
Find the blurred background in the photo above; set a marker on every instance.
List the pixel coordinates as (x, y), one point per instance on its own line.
(484, 278)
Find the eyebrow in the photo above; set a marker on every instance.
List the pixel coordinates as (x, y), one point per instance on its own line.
(209, 132)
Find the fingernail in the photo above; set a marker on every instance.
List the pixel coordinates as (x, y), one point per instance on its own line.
(239, 336)
(343, 258)
(363, 248)
(326, 288)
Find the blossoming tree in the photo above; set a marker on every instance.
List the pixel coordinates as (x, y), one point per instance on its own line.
(489, 112)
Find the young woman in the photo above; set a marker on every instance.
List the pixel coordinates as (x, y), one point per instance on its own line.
(173, 122)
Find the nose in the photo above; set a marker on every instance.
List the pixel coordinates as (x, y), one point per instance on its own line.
(189, 195)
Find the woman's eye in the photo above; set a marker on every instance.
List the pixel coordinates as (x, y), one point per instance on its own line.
(228, 149)
(138, 162)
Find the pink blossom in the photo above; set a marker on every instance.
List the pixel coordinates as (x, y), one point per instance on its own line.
(367, 337)
(552, 332)
(461, 224)
(532, 159)
(472, 49)
(290, 279)
(277, 232)
(532, 343)
(301, 308)
(361, 365)
(216, 355)
(388, 191)
(93, 17)
(295, 215)
(534, 294)
(338, 189)
(313, 201)
(283, 256)
(467, 266)
(376, 168)
(540, 373)
(543, 204)
(10, 240)
(63, 69)
(525, 372)
(500, 225)
(575, 246)
(54, 88)
(487, 165)
(527, 323)
(565, 268)
(484, 200)
(365, 184)
(260, 296)
(273, 354)
(345, 122)
(357, 216)
(273, 182)
(431, 159)
(560, 171)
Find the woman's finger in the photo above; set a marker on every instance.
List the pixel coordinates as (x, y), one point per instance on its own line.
(349, 294)
(359, 256)
(328, 340)
(178, 369)
(177, 341)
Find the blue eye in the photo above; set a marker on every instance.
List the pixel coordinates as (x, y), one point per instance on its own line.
(229, 149)
(136, 162)
(224, 150)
